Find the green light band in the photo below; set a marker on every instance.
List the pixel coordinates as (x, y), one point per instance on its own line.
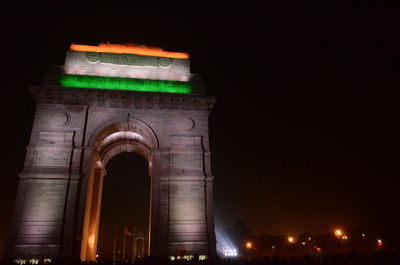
(125, 84)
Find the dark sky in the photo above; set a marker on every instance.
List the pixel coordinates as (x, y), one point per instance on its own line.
(305, 132)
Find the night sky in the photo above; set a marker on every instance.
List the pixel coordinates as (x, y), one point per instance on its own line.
(304, 133)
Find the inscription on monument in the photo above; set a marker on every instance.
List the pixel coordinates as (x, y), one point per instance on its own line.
(187, 202)
(188, 161)
(50, 157)
(128, 59)
(46, 201)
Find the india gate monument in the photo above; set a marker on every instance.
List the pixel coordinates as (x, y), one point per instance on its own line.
(105, 100)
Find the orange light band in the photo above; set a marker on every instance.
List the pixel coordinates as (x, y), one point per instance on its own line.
(128, 48)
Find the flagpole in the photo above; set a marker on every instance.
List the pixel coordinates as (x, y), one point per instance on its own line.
(123, 251)
(134, 244)
(115, 241)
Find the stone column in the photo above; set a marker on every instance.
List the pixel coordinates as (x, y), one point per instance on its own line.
(187, 234)
(209, 190)
(45, 211)
(159, 204)
(42, 203)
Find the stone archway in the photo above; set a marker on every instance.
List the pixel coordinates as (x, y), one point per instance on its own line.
(73, 139)
(133, 136)
(103, 102)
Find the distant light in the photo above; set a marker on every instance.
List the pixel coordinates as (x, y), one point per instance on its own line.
(202, 257)
(363, 235)
(309, 238)
(97, 255)
(318, 249)
(338, 232)
(303, 243)
(249, 245)
(379, 242)
(291, 239)
(345, 237)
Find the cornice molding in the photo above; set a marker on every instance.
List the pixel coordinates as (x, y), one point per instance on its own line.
(116, 99)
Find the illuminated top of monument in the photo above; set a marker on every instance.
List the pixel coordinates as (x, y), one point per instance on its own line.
(130, 67)
(130, 48)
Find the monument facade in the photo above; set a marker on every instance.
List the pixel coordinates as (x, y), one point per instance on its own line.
(105, 100)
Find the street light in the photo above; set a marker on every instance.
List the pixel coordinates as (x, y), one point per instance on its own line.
(338, 233)
(291, 239)
(249, 245)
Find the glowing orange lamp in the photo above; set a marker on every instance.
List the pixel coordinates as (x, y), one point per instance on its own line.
(249, 245)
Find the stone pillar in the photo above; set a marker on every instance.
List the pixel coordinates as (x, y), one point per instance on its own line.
(187, 230)
(88, 207)
(44, 215)
(212, 251)
(159, 203)
(42, 206)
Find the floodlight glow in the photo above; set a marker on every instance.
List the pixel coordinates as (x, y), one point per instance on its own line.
(130, 49)
(121, 136)
(225, 247)
(33, 261)
(117, 83)
(91, 240)
(230, 252)
(202, 257)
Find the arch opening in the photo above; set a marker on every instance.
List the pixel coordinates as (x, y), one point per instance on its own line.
(126, 193)
(112, 141)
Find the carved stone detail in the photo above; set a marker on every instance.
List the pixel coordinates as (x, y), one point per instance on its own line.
(122, 99)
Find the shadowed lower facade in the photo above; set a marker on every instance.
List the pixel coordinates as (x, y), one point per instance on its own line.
(77, 129)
